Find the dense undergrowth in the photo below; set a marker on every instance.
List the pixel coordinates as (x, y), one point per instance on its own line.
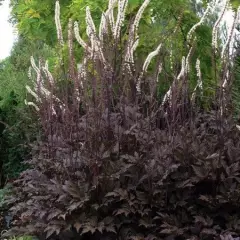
(119, 157)
(18, 126)
(15, 137)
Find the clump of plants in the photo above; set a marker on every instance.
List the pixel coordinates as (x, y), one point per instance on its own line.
(21, 238)
(18, 129)
(118, 160)
(4, 218)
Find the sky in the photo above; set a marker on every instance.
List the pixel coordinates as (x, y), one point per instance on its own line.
(7, 35)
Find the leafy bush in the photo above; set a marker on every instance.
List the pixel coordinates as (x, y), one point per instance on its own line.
(18, 130)
(3, 206)
(18, 126)
(143, 182)
(21, 238)
(3, 193)
(118, 161)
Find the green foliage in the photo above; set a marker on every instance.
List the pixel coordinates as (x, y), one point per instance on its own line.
(14, 69)
(235, 4)
(36, 23)
(10, 80)
(33, 19)
(21, 238)
(236, 85)
(18, 127)
(3, 194)
(19, 131)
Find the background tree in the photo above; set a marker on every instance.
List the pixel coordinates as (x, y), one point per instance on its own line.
(18, 126)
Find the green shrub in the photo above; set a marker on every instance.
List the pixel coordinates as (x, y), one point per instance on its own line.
(21, 238)
(18, 130)
(3, 194)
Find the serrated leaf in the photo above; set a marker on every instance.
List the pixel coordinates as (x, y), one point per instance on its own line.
(108, 220)
(110, 229)
(145, 223)
(53, 214)
(199, 171)
(124, 211)
(50, 230)
(88, 228)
